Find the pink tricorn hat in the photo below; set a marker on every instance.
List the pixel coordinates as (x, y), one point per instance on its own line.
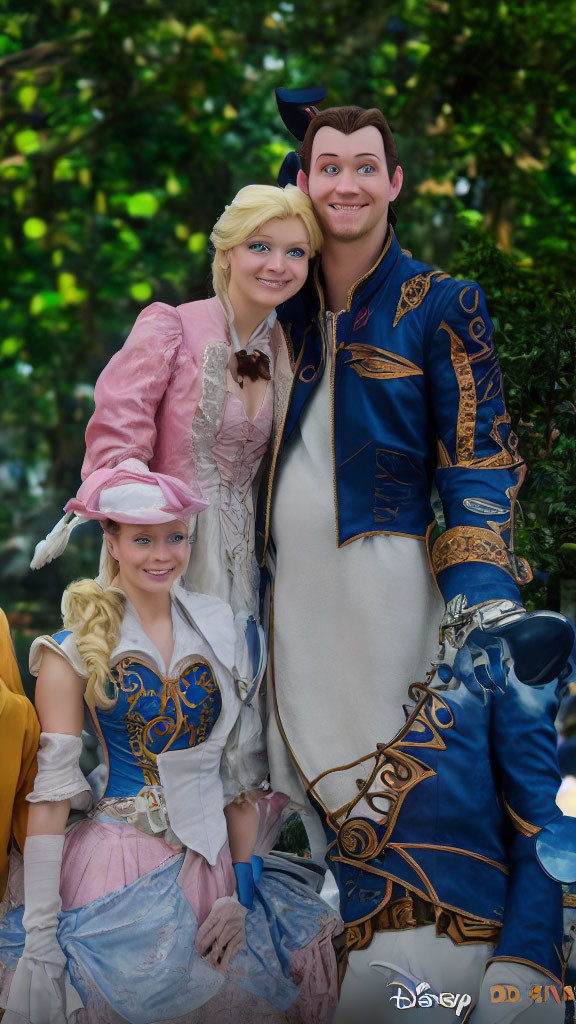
(128, 493)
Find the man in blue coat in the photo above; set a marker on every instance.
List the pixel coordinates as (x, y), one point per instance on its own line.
(388, 402)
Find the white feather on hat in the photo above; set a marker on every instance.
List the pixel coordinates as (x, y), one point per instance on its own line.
(56, 541)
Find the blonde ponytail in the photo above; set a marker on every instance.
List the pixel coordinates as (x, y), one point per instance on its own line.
(95, 617)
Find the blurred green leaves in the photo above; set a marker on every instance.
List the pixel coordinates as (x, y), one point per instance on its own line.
(127, 127)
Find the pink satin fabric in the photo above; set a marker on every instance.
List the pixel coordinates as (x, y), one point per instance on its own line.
(101, 857)
(148, 394)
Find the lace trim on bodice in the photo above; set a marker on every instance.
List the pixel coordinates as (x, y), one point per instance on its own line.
(210, 414)
(228, 448)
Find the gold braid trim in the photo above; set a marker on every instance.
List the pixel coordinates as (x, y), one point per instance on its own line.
(467, 408)
(472, 544)
(522, 826)
(411, 911)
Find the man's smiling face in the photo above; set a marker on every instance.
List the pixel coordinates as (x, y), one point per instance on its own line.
(349, 184)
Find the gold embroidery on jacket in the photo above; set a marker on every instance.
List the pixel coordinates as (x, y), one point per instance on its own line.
(414, 291)
(476, 299)
(411, 911)
(394, 772)
(523, 826)
(472, 544)
(466, 426)
(444, 459)
(378, 363)
(507, 456)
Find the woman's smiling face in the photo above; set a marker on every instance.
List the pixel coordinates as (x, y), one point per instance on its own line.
(151, 558)
(269, 267)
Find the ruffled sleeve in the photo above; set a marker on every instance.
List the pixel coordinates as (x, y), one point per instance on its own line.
(62, 643)
(130, 390)
(244, 764)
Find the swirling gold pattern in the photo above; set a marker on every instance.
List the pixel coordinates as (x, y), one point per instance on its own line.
(414, 291)
(396, 770)
(358, 839)
(150, 736)
(309, 373)
(475, 299)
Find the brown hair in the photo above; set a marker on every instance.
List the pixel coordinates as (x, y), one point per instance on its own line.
(348, 120)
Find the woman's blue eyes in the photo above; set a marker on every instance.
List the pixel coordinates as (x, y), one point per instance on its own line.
(175, 538)
(261, 247)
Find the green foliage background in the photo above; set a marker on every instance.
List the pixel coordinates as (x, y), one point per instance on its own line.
(128, 124)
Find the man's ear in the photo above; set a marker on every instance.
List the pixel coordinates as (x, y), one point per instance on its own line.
(302, 182)
(396, 183)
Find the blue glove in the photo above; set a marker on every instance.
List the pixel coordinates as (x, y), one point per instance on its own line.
(257, 867)
(244, 883)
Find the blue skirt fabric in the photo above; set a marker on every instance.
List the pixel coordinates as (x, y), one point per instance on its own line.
(131, 952)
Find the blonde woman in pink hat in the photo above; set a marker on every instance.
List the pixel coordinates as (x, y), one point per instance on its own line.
(146, 910)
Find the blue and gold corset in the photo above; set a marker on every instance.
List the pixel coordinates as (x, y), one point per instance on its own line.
(153, 714)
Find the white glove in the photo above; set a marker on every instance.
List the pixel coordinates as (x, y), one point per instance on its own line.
(223, 932)
(41, 992)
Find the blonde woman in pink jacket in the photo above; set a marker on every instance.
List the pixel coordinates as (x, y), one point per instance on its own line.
(191, 393)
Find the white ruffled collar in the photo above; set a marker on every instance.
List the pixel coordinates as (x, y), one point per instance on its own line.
(260, 337)
(200, 624)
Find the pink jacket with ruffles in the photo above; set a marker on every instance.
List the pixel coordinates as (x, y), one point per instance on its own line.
(147, 396)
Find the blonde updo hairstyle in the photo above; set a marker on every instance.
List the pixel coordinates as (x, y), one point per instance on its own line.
(94, 612)
(250, 209)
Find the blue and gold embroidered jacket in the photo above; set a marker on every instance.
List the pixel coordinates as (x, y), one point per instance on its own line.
(468, 814)
(417, 400)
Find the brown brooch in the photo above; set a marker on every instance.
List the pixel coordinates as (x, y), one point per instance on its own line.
(252, 365)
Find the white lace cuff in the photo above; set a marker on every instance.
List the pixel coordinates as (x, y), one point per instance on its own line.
(59, 775)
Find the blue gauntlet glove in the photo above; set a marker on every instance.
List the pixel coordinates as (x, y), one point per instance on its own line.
(535, 645)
